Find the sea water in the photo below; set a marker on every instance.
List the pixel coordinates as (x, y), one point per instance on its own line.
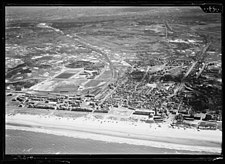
(26, 142)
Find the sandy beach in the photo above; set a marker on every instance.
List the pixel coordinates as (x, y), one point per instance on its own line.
(120, 132)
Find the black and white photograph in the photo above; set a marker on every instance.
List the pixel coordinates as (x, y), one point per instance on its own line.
(113, 80)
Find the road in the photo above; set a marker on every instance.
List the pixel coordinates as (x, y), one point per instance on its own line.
(85, 43)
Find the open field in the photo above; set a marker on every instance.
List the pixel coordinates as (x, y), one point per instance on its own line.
(93, 83)
(66, 87)
(105, 76)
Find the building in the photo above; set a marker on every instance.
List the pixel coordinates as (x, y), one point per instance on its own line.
(144, 112)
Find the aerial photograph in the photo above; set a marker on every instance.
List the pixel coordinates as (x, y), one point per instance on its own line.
(112, 80)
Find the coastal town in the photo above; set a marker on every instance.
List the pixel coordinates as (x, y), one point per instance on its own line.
(169, 76)
(130, 99)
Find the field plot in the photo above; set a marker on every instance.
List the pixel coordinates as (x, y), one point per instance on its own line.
(66, 88)
(46, 86)
(93, 83)
(56, 85)
(95, 91)
(65, 75)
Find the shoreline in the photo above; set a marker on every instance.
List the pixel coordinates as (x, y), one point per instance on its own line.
(36, 143)
(119, 132)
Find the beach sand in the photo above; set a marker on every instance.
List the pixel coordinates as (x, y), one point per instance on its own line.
(120, 132)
